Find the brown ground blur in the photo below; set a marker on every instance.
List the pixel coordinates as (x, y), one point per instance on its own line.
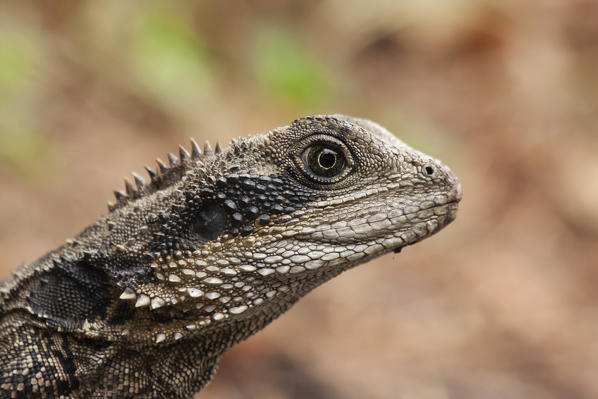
(501, 304)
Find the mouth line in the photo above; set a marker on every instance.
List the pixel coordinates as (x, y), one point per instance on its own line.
(400, 246)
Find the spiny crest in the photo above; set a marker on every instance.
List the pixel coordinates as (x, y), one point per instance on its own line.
(165, 175)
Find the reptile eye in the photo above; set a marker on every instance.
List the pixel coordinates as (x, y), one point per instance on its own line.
(323, 160)
(326, 161)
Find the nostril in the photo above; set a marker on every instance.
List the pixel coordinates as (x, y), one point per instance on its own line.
(429, 170)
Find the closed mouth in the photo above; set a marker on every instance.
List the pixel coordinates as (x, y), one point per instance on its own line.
(452, 206)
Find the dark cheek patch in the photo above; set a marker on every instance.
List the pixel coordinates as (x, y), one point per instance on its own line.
(210, 222)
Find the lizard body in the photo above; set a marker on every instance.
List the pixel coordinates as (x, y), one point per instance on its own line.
(144, 302)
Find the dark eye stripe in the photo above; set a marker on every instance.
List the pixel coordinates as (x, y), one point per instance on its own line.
(233, 205)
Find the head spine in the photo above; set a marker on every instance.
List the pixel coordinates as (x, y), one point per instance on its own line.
(164, 175)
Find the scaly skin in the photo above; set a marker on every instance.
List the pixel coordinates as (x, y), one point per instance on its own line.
(144, 302)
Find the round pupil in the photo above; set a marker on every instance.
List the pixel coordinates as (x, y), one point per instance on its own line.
(327, 158)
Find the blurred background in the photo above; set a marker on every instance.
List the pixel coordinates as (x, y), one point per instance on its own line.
(501, 304)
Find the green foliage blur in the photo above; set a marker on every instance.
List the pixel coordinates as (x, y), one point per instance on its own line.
(288, 71)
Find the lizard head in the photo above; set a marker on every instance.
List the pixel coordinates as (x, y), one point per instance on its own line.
(251, 229)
